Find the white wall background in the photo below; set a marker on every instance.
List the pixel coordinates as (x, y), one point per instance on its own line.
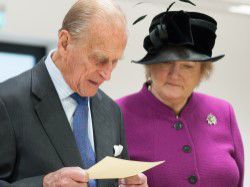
(37, 22)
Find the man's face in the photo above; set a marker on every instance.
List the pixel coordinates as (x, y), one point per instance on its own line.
(90, 62)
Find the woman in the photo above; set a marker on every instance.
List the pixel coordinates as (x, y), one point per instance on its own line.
(196, 134)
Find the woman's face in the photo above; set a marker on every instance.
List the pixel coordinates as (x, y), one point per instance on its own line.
(175, 81)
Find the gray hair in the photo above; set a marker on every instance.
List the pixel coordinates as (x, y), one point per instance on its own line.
(78, 19)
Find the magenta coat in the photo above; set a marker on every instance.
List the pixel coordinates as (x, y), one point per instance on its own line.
(198, 151)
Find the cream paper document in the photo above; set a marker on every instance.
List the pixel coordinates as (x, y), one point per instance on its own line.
(115, 168)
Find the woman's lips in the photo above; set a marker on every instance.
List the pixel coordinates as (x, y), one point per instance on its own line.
(172, 84)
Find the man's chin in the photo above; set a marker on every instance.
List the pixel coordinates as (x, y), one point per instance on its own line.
(89, 92)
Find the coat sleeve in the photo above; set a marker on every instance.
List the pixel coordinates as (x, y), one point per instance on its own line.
(8, 154)
(238, 145)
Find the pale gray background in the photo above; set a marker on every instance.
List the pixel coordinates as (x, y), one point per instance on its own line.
(37, 22)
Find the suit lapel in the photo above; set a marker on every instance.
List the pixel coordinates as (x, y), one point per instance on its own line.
(53, 118)
(104, 133)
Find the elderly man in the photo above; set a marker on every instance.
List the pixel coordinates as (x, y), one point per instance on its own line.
(54, 120)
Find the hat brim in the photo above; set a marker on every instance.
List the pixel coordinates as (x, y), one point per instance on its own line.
(176, 54)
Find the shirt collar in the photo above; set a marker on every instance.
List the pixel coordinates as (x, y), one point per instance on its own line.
(62, 88)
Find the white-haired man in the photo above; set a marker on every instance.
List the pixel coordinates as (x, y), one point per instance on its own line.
(54, 119)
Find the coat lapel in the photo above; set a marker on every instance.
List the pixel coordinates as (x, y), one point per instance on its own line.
(53, 118)
(104, 130)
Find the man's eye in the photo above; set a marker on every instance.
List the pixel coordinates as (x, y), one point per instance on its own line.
(99, 62)
(103, 62)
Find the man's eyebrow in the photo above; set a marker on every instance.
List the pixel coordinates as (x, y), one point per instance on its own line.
(99, 56)
(102, 57)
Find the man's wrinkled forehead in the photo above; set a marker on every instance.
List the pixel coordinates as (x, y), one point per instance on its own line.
(105, 55)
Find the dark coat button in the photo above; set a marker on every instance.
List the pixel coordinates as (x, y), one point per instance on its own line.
(186, 149)
(192, 179)
(178, 126)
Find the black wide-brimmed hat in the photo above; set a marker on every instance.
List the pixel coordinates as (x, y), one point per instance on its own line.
(180, 36)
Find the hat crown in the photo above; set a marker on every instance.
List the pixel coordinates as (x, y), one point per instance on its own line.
(193, 15)
(192, 30)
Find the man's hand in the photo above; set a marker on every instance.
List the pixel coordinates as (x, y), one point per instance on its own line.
(139, 180)
(68, 176)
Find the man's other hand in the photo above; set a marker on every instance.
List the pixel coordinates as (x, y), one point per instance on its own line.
(68, 176)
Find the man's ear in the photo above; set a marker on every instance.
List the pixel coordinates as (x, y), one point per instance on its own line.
(64, 40)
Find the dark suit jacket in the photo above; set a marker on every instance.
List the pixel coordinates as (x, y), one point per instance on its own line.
(35, 135)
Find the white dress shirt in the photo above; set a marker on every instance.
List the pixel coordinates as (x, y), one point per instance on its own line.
(64, 92)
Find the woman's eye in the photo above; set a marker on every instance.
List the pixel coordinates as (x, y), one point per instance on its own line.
(188, 66)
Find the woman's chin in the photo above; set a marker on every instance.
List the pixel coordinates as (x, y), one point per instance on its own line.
(174, 96)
